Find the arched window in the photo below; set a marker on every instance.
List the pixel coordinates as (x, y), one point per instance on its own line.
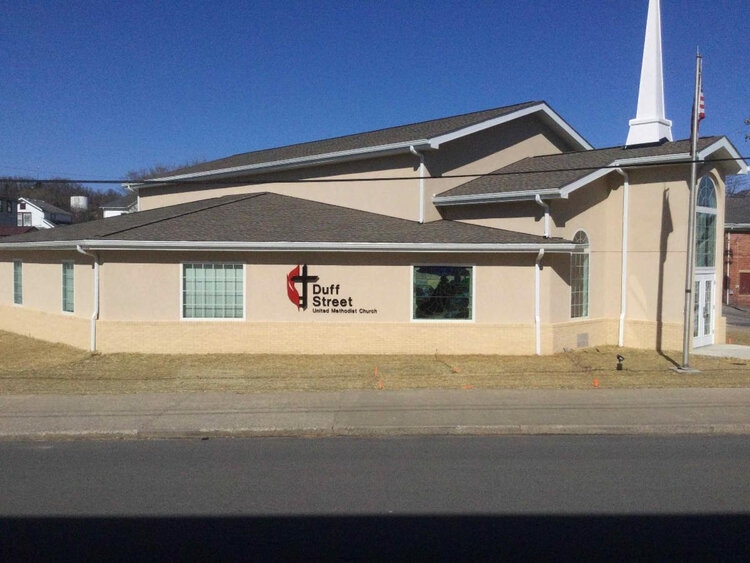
(705, 225)
(579, 278)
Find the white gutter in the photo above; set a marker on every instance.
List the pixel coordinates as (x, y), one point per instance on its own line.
(95, 314)
(624, 259)
(475, 199)
(421, 181)
(538, 199)
(537, 302)
(728, 264)
(289, 163)
(234, 246)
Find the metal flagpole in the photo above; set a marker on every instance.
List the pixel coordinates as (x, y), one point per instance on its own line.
(690, 268)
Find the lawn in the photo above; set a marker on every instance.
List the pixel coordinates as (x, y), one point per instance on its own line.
(32, 366)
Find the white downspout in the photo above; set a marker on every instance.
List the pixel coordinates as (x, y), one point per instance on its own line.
(729, 265)
(421, 181)
(95, 314)
(537, 301)
(538, 199)
(624, 264)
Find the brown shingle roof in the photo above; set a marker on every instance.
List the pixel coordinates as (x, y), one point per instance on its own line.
(391, 135)
(558, 170)
(737, 209)
(268, 217)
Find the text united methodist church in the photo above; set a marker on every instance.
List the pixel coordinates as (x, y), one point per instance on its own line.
(496, 232)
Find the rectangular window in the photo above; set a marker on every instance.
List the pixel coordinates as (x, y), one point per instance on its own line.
(705, 240)
(17, 282)
(67, 287)
(744, 283)
(443, 292)
(579, 285)
(23, 220)
(213, 291)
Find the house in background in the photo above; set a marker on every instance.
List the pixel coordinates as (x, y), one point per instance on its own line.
(737, 251)
(40, 214)
(126, 204)
(8, 225)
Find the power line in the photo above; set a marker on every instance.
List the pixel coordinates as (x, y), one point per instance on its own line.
(250, 181)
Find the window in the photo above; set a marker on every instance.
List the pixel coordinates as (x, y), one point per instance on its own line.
(443, 292)
(213, 291)
(67, 287)
(744, 283)
(17, 282)
(705, 225)
(24, 220)
(9, 207)
(579, 279)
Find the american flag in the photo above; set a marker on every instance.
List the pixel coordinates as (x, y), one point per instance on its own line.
(701, 106)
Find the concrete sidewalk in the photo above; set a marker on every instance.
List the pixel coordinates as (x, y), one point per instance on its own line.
(159, 415)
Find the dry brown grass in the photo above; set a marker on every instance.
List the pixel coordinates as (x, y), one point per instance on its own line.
(32, 366)
(738, 335)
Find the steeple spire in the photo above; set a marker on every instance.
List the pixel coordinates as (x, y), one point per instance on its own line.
(650, 124)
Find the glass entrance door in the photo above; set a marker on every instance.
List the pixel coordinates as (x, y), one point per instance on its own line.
(703, 310)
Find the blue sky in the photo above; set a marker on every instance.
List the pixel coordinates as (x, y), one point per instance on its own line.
(91, 90)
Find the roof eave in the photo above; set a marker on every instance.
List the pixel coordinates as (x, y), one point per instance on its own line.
(736, 226)
(291, 163)
(241, 246)
(558, 122)
(576, 140)
(477, 199)
(565, 191)
(724, 144)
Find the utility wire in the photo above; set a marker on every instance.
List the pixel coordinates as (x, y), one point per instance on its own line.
(260, 181)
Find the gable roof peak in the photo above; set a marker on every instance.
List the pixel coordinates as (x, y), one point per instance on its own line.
(423, 135)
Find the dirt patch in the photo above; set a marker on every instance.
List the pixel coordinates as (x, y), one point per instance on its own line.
(34, 367)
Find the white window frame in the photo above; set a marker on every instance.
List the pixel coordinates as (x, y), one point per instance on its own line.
(473, 268)
(213, 263)
(21, 217)
(18, 283)
(72, 265)
(714, 211)
(586, 305)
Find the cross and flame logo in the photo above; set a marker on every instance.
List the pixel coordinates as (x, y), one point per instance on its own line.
(299, 275)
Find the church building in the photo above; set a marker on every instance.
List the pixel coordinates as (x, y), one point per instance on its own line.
(496, 232)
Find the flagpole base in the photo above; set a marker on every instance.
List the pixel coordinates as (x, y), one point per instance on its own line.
(685, 369)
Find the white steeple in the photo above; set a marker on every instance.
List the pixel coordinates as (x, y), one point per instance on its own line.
(650, 124)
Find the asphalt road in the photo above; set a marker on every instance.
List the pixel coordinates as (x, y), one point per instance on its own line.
(736, 317)
(359, 498)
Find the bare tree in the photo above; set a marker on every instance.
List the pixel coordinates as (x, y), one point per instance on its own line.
(737, 185)
(57, 192)
(158, 170)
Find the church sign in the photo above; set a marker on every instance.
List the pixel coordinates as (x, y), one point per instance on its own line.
(303, 290)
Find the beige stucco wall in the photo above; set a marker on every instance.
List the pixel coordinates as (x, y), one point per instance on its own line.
(657, 242)
(140, 306)
(380, 193)
(482, 152)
